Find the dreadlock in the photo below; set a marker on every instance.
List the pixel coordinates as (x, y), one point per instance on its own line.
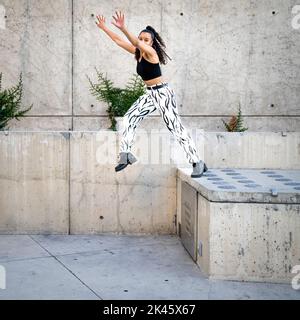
(158, 45)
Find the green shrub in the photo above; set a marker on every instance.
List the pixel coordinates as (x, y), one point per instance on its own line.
(235, 122)
(10, 103)
(118, 100)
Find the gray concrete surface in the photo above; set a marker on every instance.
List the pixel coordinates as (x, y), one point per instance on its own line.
(223, 53)
(112, 266)
(77, 170)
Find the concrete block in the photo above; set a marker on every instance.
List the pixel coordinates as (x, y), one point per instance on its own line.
(253, 242)
(242, 234)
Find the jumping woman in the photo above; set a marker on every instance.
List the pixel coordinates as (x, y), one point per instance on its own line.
(149, 52)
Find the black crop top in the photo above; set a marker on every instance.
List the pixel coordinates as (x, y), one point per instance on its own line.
(148, 70)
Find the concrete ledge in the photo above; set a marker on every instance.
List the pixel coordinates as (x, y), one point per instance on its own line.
(246, 185)
(240, 235)
(64, 181)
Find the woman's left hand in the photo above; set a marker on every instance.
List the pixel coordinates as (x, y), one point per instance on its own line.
(120, 23)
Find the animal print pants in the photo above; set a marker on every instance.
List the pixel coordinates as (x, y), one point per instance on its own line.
(163, 98)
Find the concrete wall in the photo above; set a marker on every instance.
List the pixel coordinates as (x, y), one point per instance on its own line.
(64, 182)
(224, 53)
(34, 183)
(264, 150)
(140, 199)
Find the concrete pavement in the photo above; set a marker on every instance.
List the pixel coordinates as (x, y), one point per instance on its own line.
(112, 266)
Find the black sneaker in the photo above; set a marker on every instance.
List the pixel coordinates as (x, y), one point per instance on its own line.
(198, 169)
(125, 158)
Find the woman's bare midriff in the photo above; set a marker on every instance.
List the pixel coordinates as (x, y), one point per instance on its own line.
(154, 81)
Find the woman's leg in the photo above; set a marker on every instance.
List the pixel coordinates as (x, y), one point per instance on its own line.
(166, 101)
(134, 115)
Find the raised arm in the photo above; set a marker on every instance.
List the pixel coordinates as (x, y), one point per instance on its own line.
(115, 37)
(136, 42)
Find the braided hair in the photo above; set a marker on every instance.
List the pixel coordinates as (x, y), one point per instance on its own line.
(158, 44)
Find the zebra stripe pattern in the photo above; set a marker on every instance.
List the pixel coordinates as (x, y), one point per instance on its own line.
(164, 99)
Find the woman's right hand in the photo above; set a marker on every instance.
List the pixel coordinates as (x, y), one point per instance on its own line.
(101, 22)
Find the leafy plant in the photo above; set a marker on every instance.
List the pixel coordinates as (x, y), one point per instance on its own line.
(118, 100)
(235, 122)
(10, 103)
